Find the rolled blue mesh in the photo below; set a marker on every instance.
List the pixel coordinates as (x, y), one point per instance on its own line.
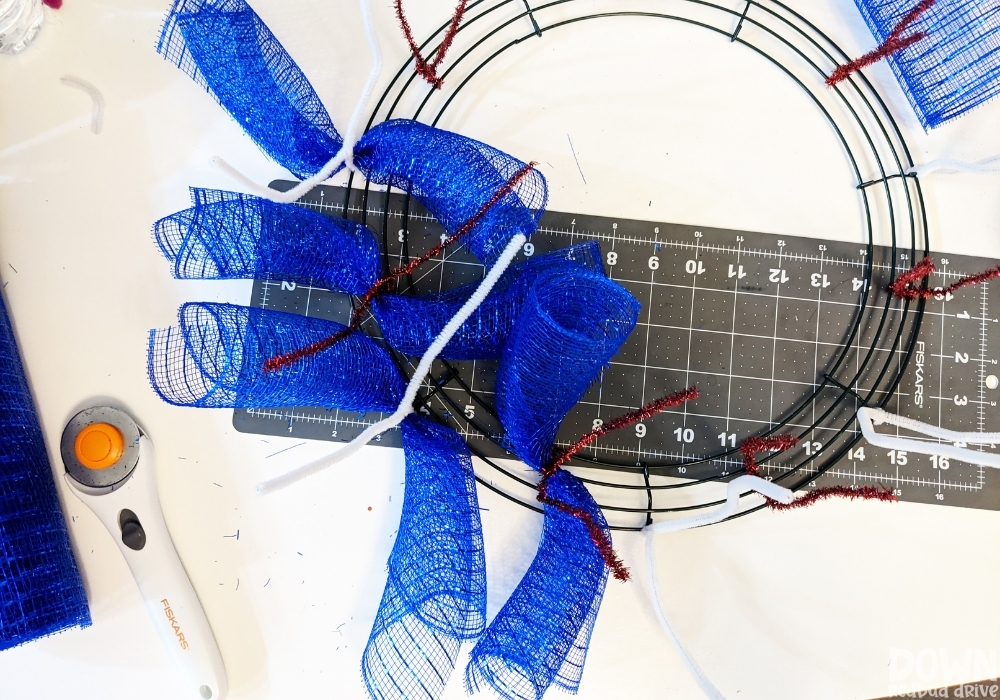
(571, 324)
(40, 588)
(410, 323)
(541, 634)
(955, 67)
(227, 235)
(435, 595)
(453, 176)
(228, 50)
(215, 359)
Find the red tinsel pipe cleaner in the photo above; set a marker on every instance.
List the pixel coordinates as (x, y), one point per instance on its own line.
(424, 68)
(381, 285)
(751, 446)
(893, 43)
(597, 534)
(903, 287)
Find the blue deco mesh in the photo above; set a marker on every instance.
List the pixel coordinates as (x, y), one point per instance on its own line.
(454, 176)
(541, 634)
(214, 359)
(435, 595)
(40, 588)
(410, 323)
(956, 66)
(572, 323)
(226, 235)
(227, 49)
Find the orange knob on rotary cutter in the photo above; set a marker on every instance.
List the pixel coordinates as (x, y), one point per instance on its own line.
(99, 445)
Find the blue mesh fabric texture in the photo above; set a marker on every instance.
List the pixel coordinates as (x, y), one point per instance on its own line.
(410, 323)
(226, 235)
(435, 595)
(955, 67)
(228, 50)
(40, 588)
(453, 176)
(215, 359)
(541, 634)
(571, 324)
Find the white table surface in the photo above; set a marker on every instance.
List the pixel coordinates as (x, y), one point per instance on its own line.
(800, 605)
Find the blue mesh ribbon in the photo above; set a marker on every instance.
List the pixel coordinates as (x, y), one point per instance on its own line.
(228, 50)
(410, 323)
(571, 324)
(435, 595)
(226, 235)
(40, 588)
(215, 359)
(541, 634)
(454, 177)
(956, 67)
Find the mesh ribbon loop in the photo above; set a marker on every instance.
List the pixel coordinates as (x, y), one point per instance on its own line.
(226, 235)
(435, 595)
(572, 323)
(454, 176)
(226, 48)
(214, 360)
(541, 634)
(410, 323)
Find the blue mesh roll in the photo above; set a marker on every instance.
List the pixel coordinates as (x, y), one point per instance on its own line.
(40, 588)
(435, 595)
(572, 323)
(410, 323)
(541, 634)
(215, 360)
(956, 66)
(227, 49)
(226, 235)
(453, 176)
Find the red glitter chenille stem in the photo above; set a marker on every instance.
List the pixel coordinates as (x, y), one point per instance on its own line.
(279, 361)
(903, 287)
(424, 68)
(625, 421)
(54, 4)
(871, 493)
(751, 446)
(893, 43)
(597, 534)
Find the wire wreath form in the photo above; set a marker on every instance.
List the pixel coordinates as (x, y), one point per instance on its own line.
(875, 151)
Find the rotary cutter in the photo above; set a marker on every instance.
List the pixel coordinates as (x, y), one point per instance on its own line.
(109, 464)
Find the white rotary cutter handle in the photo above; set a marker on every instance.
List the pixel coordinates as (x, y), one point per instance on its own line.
(109, 464)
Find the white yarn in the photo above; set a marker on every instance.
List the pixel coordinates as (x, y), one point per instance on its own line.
(406, 405)
(97, 112)
(867, 416)
(733, 493)
(983, 167)
(345, 156)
